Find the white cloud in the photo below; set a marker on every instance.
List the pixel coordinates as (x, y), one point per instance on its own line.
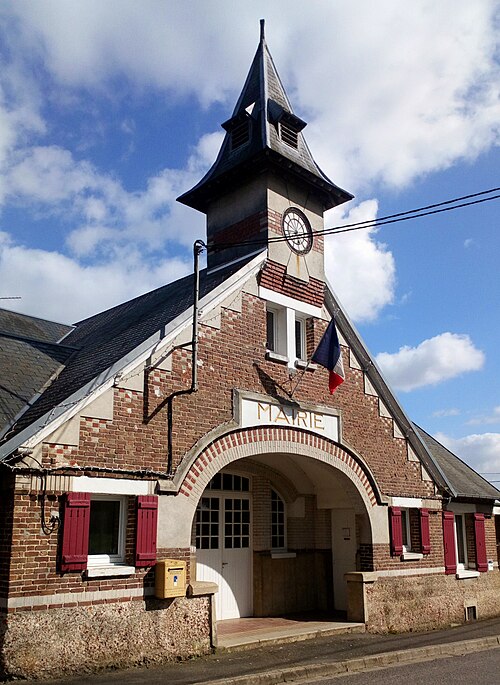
(433, 361)
(107, 216)
(360, 269)
(446, 412)
(388, 97)
(494, 417)
(56, 287)
(480, 450)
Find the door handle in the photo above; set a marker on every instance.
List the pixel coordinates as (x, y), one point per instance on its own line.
(224, 563)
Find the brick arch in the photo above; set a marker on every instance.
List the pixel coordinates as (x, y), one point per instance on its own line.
(250, 442)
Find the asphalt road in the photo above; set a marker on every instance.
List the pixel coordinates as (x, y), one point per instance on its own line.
(469, 669)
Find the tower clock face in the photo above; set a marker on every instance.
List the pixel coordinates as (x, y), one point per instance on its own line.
(297, 231)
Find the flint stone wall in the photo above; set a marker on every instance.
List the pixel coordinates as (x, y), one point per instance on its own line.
(58, 642)
(402, 604)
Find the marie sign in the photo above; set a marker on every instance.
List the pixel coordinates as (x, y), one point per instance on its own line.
(255, 412)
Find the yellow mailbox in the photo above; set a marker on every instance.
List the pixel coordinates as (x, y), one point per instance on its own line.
(170, 578)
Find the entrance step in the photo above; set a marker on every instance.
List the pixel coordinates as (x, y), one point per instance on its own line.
(247, 633)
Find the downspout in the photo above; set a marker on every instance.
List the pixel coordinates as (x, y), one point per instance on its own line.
(198, 248)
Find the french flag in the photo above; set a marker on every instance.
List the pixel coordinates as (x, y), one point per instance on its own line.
(328, 354)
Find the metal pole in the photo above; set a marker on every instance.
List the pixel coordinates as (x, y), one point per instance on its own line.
(198, 248)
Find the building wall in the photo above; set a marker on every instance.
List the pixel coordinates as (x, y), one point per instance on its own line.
(78, 638)
(428, 602)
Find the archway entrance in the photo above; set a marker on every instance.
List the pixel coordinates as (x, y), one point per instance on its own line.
(278, 517)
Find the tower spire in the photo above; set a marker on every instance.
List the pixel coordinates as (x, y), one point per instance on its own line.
(262, 30)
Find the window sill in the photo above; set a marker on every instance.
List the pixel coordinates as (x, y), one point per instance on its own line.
(109, 570)
(283, 555)
(411, 556)
(275, 357)
(302, 364)
(462, 574)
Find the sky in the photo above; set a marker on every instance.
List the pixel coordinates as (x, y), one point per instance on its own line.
(110, 110)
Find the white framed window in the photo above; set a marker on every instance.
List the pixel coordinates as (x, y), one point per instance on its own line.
(286, 340)
(108, 517)
(300, 337)
(405, 530)
(278, 521)
(461, 542)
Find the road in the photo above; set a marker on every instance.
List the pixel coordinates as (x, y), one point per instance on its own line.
(469, 669)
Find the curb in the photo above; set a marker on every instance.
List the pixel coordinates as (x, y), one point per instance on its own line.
(366, 663)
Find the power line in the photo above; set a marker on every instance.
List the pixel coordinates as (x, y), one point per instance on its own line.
(419, 212)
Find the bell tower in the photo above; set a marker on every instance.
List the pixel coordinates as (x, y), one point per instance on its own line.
(265, 191)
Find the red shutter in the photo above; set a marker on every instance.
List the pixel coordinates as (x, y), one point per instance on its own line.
(75, 542)
(450, 556)
(147, 519)
(396, 531)
(480, 538)
(425, 538)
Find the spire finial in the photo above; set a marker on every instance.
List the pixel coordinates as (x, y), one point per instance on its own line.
(262, 32)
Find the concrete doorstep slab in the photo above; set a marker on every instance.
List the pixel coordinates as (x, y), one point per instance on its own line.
(367, 663)
(261, 637)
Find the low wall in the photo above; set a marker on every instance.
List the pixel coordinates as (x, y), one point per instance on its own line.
(420, 602)
(87, 638)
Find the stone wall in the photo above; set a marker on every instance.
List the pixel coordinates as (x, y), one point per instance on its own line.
(425, 602)
(54, 642)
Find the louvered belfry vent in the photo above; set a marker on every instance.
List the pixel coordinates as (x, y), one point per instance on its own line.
(289, 135)
(240, 135)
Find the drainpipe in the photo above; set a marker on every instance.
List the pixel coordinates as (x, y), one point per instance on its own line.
(198, 248)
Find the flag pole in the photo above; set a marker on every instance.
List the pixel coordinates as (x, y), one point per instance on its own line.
(301, 376)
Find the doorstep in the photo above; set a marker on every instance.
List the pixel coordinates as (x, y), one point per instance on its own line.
(246, 633)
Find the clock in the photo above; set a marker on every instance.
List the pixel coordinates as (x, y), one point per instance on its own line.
(297, 231)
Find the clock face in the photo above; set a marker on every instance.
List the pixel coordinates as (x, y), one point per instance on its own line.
(297, 231)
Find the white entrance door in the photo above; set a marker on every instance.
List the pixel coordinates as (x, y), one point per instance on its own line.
(223, 553)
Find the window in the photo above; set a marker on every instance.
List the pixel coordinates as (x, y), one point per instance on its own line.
(286, 340)
(300, 338)
(106, 530)
(461, 541)
(94, 528)
(464, 543)
(406, 532)
(207, 523)
(271, 339)
(278, 521)
(409, 532)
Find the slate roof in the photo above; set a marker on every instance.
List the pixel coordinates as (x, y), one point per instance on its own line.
(464, 481)
(29, 359)
(98, 342)
(32, 327)
(262, 101)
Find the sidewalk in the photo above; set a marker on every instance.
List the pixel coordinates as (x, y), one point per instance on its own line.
(316, 657)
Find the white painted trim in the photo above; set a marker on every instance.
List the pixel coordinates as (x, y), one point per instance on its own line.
(290, 302)
(407, 502)
(72, 597)
(496, 511)
(412, 556)
(409, 572)
(111, 486)
(110, 570)
(462, 574)
(235, 261)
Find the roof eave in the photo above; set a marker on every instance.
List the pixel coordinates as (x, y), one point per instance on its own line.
(203, 193)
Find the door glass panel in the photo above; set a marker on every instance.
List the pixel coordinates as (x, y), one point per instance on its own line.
(236, 523)
(207, 523)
